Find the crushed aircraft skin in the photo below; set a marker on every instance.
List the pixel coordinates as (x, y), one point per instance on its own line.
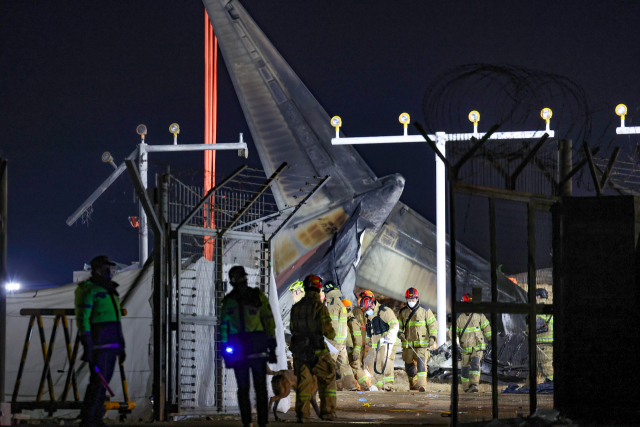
(354, 230)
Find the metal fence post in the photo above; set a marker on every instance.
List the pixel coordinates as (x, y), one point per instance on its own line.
(3, 270)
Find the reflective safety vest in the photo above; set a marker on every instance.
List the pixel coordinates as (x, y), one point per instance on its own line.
(544, 324)
(338, 313)
(421, 329)
(246, 313)
(473, 334)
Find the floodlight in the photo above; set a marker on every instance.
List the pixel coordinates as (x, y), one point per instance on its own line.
(621, 110)
(13, 286)
(404, 118)
(141, 130)
(174, 129)
(336, 122)
(106, 157)
(546, 114)
(474, 117)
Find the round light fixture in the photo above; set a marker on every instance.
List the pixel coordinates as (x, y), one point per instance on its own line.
(546, 114)
(474, 117)
(336, 122)
(106, 157)
(621, 110)
(174, 129)
(404, 118)
(141, 130)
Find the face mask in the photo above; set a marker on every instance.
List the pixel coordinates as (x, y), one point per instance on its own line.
(412, 304)
(369, 312)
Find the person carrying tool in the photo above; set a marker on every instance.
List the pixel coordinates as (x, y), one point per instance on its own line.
(339, 315)
(310, 324)
(544, 338)
(98, 313)
(418, 334)
(382, 327)
(247, 334)
(470, 329)
(297, 291)
(355, 344)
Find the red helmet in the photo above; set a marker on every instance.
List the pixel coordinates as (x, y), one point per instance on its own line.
(367, 293)
(411, 293)
(313, 282)
(466, 298)
(366, 302)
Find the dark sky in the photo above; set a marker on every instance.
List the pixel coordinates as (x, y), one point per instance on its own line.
(77, 77)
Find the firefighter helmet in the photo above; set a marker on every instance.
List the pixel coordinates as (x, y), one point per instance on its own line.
(295, 286)
(330, 286)
(466, 298)
(366, 302)
(542, 293)
(411, 293)
(367, 293)
(312, 282)
(348, 304)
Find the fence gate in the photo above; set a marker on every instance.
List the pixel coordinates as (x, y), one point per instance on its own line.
(210, 233)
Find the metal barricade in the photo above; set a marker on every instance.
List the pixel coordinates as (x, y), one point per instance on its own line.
(52, 404)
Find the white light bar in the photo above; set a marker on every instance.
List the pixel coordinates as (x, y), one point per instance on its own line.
(536, 134)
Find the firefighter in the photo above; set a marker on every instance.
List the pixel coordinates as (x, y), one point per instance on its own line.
(362, 319)
(355, 344)
(382, 327)
(544, 338)
(339, 316)
(297, 291)
(247, 333)
(418, 334)
(470, 329)
(310, 323)
(98, 313)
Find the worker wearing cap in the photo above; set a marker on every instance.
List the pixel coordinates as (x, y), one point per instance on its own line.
(471, 328)
(310, 324)
(339, 315)
(355, 344)
(247, 333)
(544, 338)
(418, 334)
(382, 327)
(98, 313)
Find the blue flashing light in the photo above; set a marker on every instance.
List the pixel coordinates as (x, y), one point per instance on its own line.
(229, 350)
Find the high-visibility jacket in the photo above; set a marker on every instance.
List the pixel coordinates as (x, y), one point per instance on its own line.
(544, 321)
(339, 314)
(98, 311)
(355, 340)
(310, 318)
(421, 329)
(247, 318)
(388, 318)
(473, 334)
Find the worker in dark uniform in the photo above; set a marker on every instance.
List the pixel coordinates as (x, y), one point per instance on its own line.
(310, 324)
(98, 315)
(247, 334)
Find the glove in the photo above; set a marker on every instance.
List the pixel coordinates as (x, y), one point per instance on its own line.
(87, 345)
(271, 345)
(356, 356)
(402, 337)
(123, 356)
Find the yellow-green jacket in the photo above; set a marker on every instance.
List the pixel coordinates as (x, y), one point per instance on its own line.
(338, 313)
(97, 310)
(544, 321)
(252, 329)
(422, 329)
(473, 334)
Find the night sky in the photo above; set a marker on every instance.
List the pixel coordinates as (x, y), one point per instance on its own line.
(77, 77)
